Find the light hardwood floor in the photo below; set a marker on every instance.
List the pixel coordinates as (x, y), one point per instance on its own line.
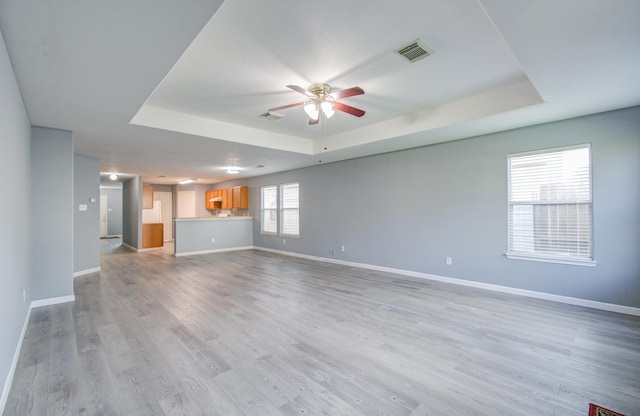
(255, 333)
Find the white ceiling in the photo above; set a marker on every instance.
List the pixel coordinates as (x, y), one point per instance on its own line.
(170, 90)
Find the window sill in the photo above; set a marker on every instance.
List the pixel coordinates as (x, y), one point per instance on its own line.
(268, 233)
(560, 260)
(289, 236)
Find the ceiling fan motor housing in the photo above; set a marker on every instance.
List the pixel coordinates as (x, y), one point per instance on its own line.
(320, 90)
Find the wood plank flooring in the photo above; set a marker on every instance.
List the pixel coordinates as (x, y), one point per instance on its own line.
(255, 333)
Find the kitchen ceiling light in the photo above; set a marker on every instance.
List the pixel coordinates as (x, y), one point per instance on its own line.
(186, 181)
(113, 177)
(232, 171)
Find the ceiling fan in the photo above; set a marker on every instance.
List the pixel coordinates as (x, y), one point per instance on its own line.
(322, 100)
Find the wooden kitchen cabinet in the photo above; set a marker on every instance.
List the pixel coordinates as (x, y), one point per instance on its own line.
(147, 197)
(212, 199)
(240, 198)
(227, 198)
(152, 235)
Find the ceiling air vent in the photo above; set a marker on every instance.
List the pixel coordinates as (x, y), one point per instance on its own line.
(272, 116)
(415, 51)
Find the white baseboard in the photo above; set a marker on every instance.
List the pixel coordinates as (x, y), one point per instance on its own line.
(611, 307)
(132, 248)
(52, 301)
(142, 250)
(16, 355)
(220, 250)
(87, 271)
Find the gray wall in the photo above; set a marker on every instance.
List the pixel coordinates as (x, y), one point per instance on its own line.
(161, 188)
(114, 213)
(15, 133)
(410, 209)
(51, 212)
(132, 212)
(86, 224)
(215, 234)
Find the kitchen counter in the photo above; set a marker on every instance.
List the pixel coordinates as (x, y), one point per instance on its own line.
(212, 234)
(212, 218)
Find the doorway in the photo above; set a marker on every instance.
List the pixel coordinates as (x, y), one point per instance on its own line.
(166, 213)
(104, 219)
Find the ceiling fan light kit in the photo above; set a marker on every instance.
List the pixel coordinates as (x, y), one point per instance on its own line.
(327, 108)
(322, 101)
(312, 110)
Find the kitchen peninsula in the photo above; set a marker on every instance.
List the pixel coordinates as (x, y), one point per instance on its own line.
(212, 234)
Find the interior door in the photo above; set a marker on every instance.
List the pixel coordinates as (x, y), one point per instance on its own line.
(104, 224)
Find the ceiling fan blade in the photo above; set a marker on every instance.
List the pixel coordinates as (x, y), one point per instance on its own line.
(312, 121)
(348, 109)
(349, 92)
(282, 107)
(300, 90)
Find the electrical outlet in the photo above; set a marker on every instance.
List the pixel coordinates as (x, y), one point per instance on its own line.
(448, 261)
(24, 296)
(284, 241)
(213, 240)
(342, 248)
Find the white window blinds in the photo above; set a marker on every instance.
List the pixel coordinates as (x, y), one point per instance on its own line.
(550, 205)
(269, 209)
(289, 209)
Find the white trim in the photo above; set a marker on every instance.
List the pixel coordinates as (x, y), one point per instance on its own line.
(551, 150)
(14, 363)
(571, 261)
(132, 248)
(219, 250)
(611, 307)
(87, 271)
(553, 258)
(52, 301)
(142, 250)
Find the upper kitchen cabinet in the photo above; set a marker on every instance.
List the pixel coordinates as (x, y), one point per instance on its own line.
(147, 197)
(240, 197)
(213, 199)
(227, 198)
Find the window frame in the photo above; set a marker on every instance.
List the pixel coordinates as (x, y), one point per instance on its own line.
(281, 210)
(558, 257)
(273, 211)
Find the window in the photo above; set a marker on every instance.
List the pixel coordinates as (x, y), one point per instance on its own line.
(269, 210)
(550, 206)
(289, 209)
(281, 216)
